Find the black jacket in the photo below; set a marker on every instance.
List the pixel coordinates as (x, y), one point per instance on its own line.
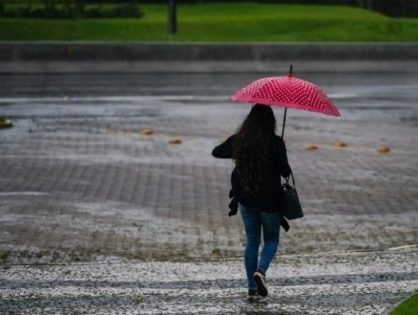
(271, 200)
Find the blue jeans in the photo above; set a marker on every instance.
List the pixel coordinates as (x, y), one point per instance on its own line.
(253, 221)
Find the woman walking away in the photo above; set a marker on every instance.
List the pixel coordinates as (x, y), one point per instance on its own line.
(260, 161)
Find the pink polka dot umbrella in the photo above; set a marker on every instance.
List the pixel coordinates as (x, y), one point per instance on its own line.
(289, 92)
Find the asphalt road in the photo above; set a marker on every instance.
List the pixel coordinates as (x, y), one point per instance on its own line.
(79, 182)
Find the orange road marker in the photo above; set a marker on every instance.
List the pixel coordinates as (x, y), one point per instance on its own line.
(146, 132)
(175, 141)
(383, 149)
(311, 147)
(340, 145)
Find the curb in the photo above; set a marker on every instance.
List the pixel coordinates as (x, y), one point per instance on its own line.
(121, 57)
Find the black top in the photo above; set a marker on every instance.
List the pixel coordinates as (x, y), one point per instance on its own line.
(270, 201)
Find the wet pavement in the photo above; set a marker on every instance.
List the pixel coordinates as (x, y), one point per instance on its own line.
(98, 218)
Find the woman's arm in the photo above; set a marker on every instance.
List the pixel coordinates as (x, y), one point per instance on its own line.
(225, 149)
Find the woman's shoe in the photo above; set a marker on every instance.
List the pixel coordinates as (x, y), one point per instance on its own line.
(252, 295)
(260, 281)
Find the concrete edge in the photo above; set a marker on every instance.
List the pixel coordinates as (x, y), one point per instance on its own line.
(122, 57)
(147, 67)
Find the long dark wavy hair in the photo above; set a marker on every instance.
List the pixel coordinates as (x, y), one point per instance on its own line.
(252, 149)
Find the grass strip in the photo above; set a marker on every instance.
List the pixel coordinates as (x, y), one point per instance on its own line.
(407, 307)
(5, 123)
(226, 22)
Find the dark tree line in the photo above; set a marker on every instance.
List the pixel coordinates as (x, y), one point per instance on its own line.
(393, 7)
(71, 9)
(396, 8)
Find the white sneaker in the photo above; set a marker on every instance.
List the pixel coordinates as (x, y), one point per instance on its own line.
(260, 281)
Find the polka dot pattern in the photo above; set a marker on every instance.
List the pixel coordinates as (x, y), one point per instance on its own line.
(287, 91)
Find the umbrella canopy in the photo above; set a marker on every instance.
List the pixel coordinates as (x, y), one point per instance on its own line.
(289, 92)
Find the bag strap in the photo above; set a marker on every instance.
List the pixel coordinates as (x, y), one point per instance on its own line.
(293, 179)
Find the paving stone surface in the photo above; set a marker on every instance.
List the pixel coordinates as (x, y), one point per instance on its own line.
(355, 283)
(79, 183)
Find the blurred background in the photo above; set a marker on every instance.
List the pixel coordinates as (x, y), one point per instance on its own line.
(264, 20)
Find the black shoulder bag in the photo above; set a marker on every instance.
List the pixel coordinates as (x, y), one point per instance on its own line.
(292, 207)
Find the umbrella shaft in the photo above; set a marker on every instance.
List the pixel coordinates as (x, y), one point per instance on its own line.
(284, 121)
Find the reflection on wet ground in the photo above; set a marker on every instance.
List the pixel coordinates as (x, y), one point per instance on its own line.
(82, 133)
(79, 181)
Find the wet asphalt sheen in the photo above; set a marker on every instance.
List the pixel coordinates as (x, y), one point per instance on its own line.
(98, 216)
